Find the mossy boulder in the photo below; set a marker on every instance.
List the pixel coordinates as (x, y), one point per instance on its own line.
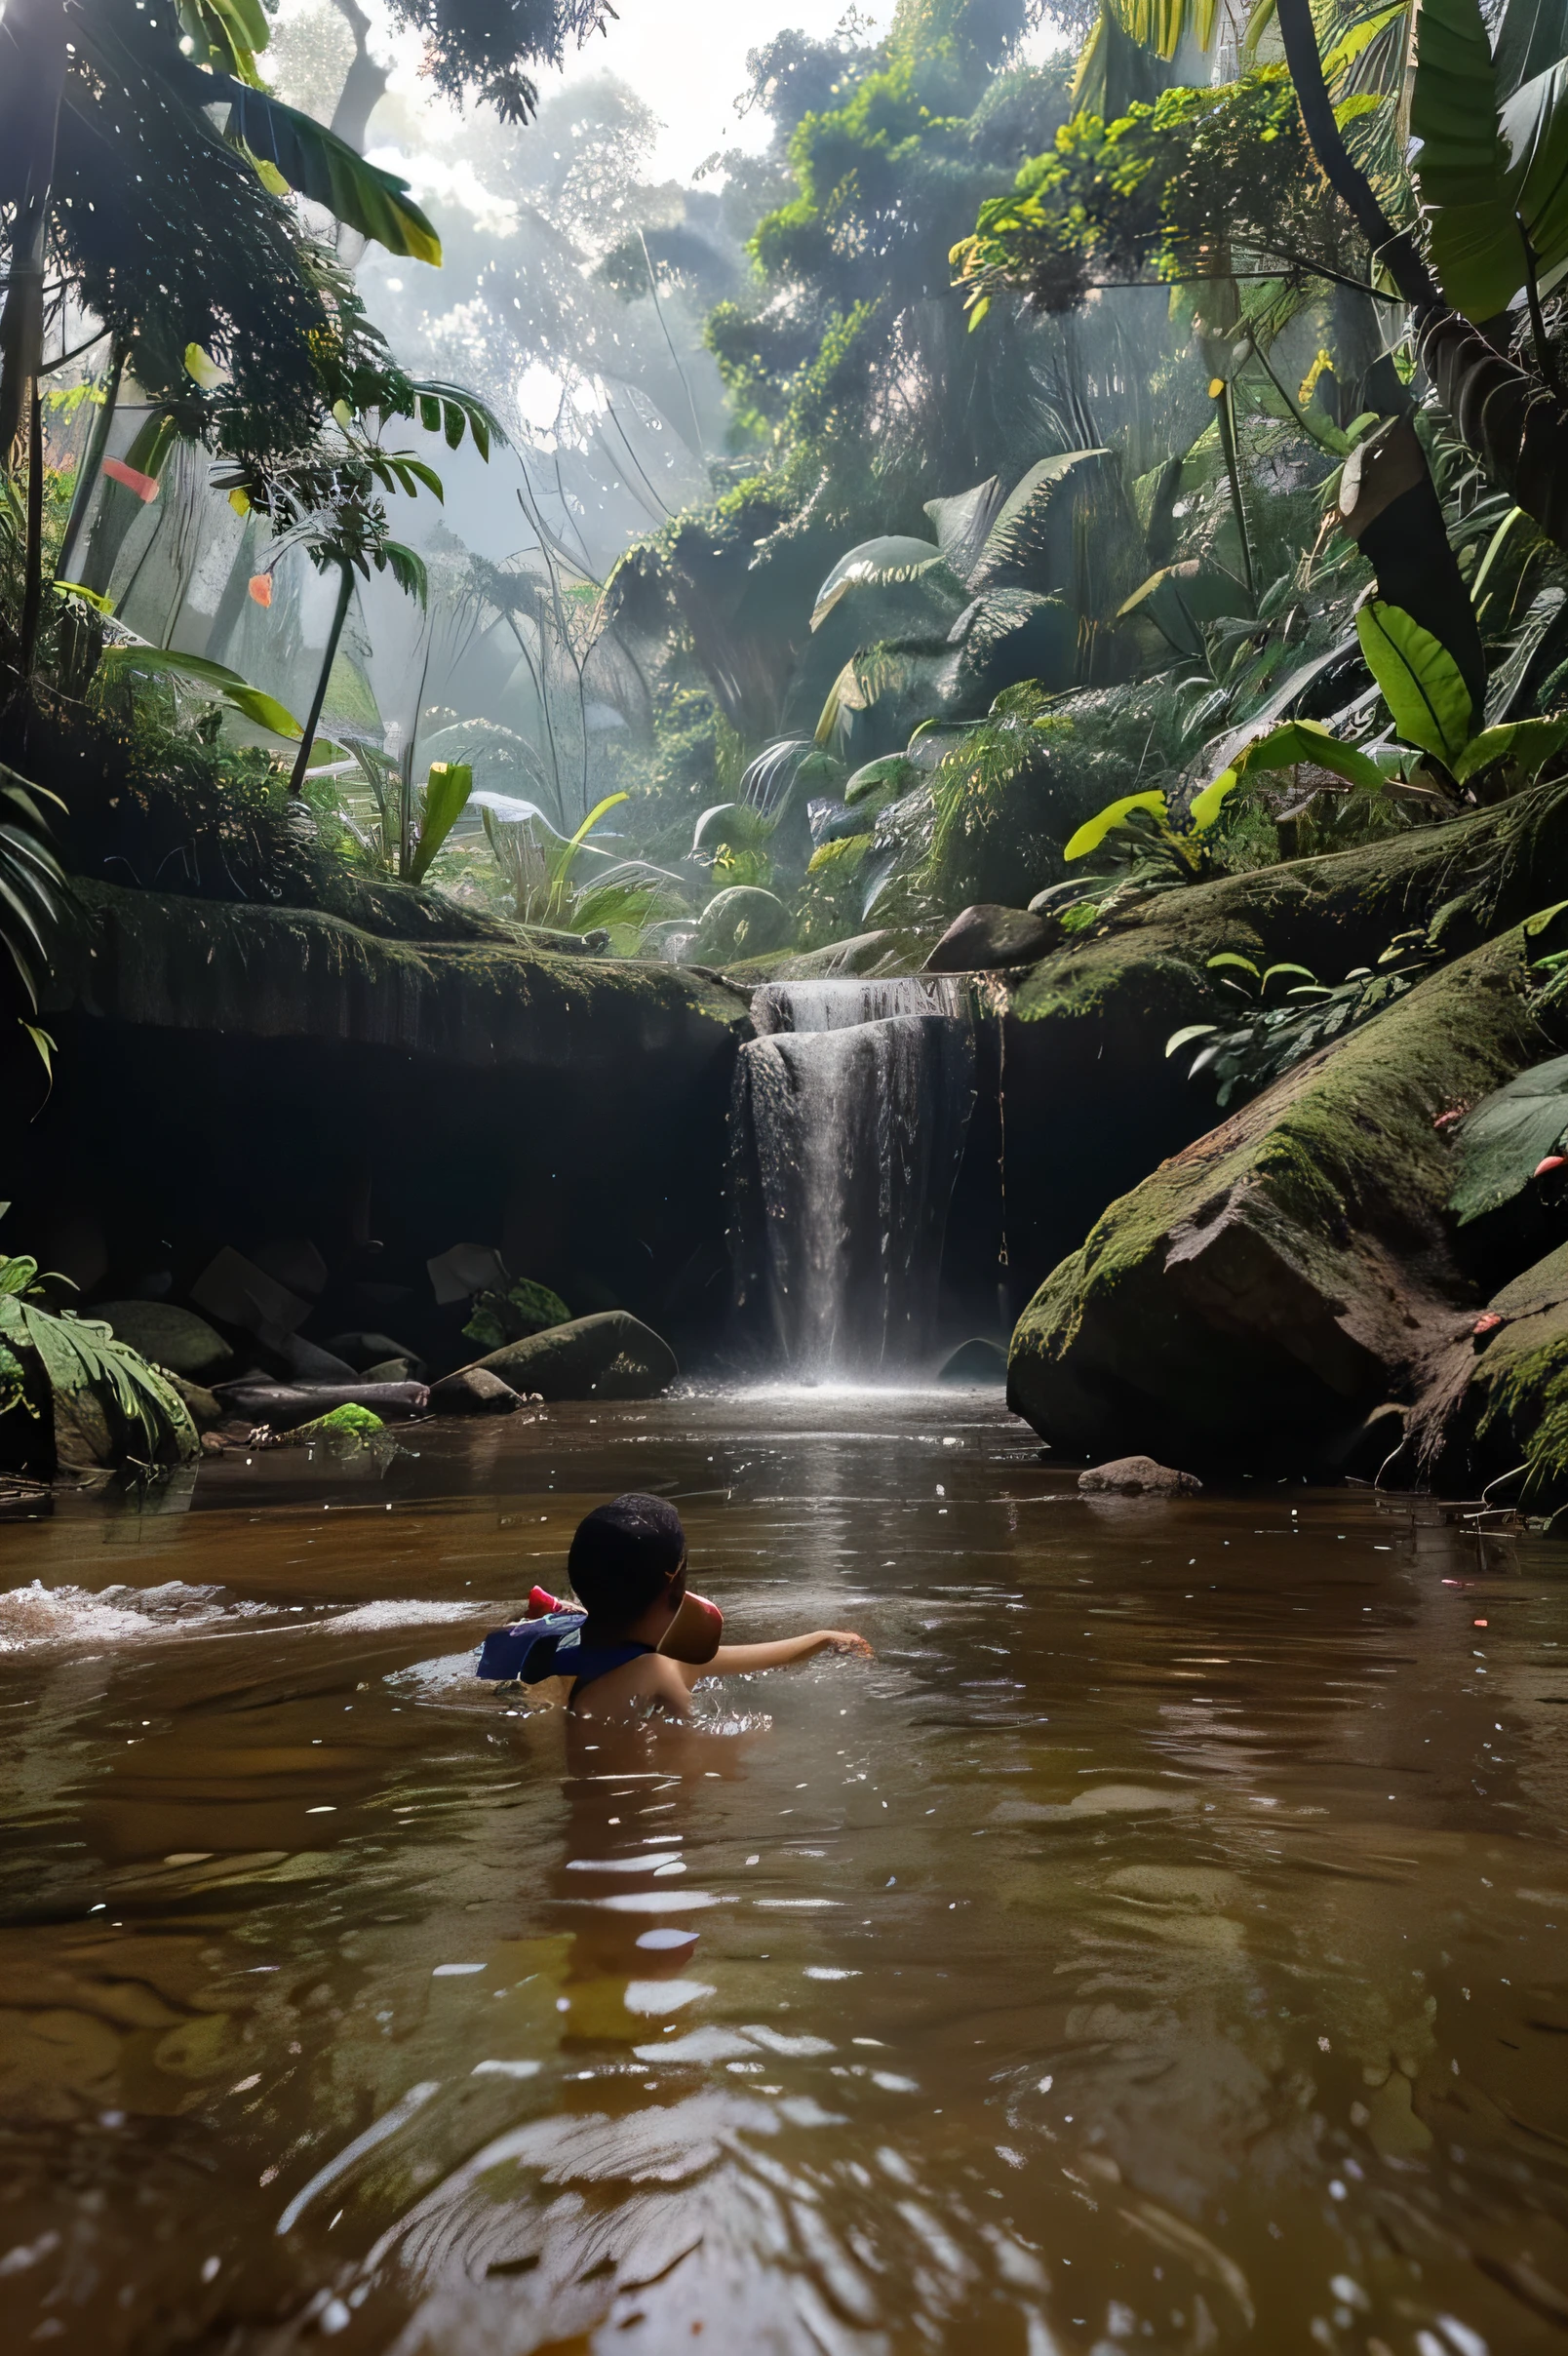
(1497, 1400)
(1268, 1285)
(169, 1336)
(611, 1356)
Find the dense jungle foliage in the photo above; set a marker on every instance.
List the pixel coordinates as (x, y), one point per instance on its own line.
(1031, 477)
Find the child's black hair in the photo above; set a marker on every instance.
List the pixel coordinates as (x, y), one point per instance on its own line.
(624, 1554)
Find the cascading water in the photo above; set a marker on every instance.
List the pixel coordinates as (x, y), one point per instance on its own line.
(851, 1108)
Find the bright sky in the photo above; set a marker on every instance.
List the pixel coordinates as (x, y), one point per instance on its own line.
(687, 59)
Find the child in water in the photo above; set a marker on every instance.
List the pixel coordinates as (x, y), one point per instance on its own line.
(628, 1566)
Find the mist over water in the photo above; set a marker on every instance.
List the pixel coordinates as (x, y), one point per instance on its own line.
(1160, 1943)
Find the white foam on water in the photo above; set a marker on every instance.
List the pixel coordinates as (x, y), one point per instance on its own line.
(38, 1616)
(368, 1618)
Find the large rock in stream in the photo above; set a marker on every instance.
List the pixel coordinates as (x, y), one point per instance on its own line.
(1266, 1287)
(611, 1356)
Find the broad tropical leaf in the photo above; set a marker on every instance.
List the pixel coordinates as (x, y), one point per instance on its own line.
(1486, 171)
(962, 524)
(1528, 743)
(447, 792)
(896, 558)
(32, 883)
(316, 163)
(155, 661)
(1422, 685)
(1285, 748)
(79, 1354)
(225, 33)
(1507, 1136)
(1093, 832)
(1016, 536)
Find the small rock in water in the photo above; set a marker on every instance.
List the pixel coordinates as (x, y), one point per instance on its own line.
(1137, 1477)
(472, 1391)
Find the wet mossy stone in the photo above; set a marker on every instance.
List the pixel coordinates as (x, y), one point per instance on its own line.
(885, 952)
(1273, 1282)
(524, 1308)
(157, 961)
(1496, 1401)
(167, 1336)
(977, 1361)
(204, 1410)
(1137, 1477)
(982, 938)
(612, 1355)
(349, 1418)
(743, 922)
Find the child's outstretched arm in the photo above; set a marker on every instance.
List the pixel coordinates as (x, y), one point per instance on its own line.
(731, 1660)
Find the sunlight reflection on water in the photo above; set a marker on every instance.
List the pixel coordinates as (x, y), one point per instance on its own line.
(1158, 1944)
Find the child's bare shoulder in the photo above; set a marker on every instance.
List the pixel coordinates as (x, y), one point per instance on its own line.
(651, 1678)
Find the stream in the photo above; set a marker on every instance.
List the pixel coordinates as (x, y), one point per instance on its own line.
(1161, 1943)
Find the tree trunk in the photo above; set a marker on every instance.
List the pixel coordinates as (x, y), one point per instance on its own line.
(345, 590)
(32, 594)
(97, 443)
(364, 85)
(37, 35)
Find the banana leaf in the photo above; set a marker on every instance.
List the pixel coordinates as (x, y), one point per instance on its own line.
(1491, 173)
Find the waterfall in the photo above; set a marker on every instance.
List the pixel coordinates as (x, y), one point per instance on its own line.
(851, 1108)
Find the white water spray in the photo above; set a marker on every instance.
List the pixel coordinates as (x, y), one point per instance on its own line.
(852, 1110)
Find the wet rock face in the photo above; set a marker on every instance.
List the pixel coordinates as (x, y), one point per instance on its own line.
(611, 1355)
(1138, 1476)
(472, 1391)
(984, 936)
(1258, 1295)
(167, 1336)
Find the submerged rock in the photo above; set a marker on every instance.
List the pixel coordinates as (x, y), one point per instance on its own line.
(1263, 1291)
(1138, 1476)
(977, 1361)
(175, 1338)
(611, 1355)
(282, 1405)
(472, 1391)
(986, 936)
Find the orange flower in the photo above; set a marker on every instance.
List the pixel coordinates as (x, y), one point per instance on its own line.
(261, 588)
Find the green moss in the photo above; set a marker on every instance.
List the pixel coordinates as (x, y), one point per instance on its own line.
(348, 1418)
(1526, 1392)
(1277, 1278)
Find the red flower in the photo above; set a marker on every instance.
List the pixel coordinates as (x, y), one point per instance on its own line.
(145, 487)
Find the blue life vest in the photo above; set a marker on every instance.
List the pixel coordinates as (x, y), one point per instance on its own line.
(532, 1650)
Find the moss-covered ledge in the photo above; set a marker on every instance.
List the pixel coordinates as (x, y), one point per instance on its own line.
(1330, 912)
(159, 961)
(1273, 1282)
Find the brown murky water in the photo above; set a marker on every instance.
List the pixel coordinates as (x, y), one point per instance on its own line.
(1161, 1945)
